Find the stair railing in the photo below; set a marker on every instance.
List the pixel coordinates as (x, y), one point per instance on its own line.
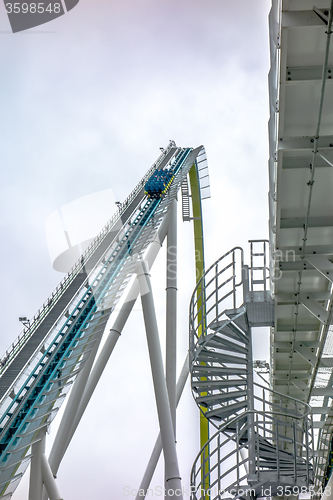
(278, 423)
(225, 456)
(218, 290)
(259, 275)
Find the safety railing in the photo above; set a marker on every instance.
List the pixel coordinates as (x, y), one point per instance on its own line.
(218, 290)
(76, 269)
(270, 440)
(273, 401)
(293, 429)
(259, 275)
(283, 452)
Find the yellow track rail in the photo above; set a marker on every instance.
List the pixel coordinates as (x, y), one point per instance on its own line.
(199, 269)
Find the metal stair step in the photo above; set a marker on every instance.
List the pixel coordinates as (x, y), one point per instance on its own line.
(285, 439)
(207, 376)
(217, 384)
(242, 336)
(269, 478)
(283, 458)
(214, 325)
(218, 370)
(283, 467)
(284, 471)
(229, 330)
(289, 425)
(239, 317)
(205, 355)
(224, 412)
(266, 445)
(281, 438)
(222, 343)
(232, 428)
(210, 399)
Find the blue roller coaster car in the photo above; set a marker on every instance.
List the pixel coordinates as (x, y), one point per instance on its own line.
(158, 183)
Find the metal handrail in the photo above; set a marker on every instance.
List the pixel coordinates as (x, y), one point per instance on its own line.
(241, 417)
(236, 437)
(266, 275)
(75, 270)
(206, 312)
(202, 296)
(285, 396)
(202, 279)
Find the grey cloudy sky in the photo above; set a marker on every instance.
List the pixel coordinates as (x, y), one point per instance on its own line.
(86, 101)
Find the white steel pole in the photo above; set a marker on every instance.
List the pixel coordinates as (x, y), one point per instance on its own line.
(149, 472)
(173, 480)
(36, 480)
(60, 442)
(49, 481)
(171, 312)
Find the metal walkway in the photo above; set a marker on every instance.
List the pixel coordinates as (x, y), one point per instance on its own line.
(301, 228)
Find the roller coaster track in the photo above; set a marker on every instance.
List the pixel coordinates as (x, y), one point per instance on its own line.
(45, 361)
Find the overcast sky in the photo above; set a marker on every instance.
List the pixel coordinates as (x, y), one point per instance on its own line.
(86, 102)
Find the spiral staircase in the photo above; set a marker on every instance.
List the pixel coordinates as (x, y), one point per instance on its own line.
(264, 440)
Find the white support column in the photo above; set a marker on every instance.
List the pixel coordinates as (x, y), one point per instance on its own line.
(36, 481)
(96, 373)
(42, 482)
(173, 480)
(48, 480)
(60, 442)
(149, 472)
(171, 312)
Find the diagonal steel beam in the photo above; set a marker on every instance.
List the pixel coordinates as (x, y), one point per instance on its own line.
(306, 353)
(313, 307)
(322, 264)
(157, 450)
(298, 18)
(172, 479)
